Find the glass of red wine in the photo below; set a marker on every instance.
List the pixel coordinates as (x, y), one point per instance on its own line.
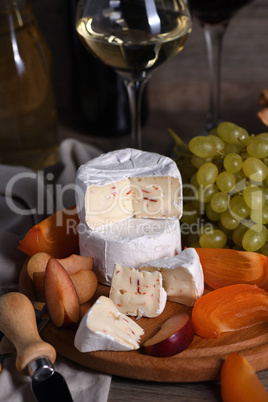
(214, 17)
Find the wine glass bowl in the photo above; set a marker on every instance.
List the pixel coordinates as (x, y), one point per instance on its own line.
(134, 37)
(214, 17)
(216, 11)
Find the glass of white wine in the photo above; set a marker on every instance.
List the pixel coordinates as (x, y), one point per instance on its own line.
(134, 37)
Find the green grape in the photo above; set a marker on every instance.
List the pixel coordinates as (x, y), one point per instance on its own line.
(233, 162)
(205, 228)
(213, 131)
(239, 176)
(231, 133)
(265, 193)
(255, 169)
(264, 249)
(258, 147)
(254, 238)
(217, 142)
(241, 181)
(238, 208)
(213, 238)
(253, 197)
(262, 135)
(207, 174)
(206, 147)
(205, 193)
(238, 234)
(220, 202)
(224, 230)
(228, 221)
(196, 161)
(202, 147)
(225, 182)
(260, 215)
(232, 148)
(211, 214)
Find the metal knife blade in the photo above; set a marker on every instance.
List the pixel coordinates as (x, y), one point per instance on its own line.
(47, 384)
(34, 356)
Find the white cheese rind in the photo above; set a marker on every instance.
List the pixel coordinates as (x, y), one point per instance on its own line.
(131, 242)
(103, 327)
(138, 293)
(125, 183)
(183, 277)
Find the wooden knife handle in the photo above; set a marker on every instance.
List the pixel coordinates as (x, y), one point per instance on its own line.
(18, 323)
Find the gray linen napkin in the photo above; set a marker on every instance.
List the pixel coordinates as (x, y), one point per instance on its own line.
(27, 197)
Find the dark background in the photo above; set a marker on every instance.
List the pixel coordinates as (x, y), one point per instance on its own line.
(177, 93)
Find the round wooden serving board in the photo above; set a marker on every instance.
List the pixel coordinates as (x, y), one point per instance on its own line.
(200, 362)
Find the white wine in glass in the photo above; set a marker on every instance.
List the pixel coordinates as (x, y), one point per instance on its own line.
(134, 37)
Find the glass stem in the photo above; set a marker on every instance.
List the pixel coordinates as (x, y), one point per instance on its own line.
(135, 91)
(214, 38)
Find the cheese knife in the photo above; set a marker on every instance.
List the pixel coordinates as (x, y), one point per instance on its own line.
(34, 356)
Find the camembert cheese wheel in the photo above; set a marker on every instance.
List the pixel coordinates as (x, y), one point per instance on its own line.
(128, 183)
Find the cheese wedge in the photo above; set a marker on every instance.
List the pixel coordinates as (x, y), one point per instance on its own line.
(138, 293)
(130, 242)
(105, 328)
(128, 183)
(183, 277)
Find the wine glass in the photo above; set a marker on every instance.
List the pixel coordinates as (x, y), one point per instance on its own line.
(214, 17)
(133, 37)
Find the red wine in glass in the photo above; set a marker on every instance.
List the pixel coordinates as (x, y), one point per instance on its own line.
(214, 17)
(216, 11)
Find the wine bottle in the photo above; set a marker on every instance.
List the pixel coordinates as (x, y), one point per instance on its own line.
(28, 114)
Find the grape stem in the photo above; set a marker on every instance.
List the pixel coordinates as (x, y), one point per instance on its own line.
(179, 142)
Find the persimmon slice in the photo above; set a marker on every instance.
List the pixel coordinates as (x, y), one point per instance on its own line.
(230, 308)
(239, 382)
(56, 235)
(224, 267)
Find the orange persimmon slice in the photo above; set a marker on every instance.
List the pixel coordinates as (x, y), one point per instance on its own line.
(239, 382)
(230, 308)
(56, 235)
(223, 267)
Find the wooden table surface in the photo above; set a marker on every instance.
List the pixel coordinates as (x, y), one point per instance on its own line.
(178, 98)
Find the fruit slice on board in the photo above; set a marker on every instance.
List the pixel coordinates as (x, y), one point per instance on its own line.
(174, 336)
(56, 235)
(230, 308)
(61, 297)
(239, 382)
(223, 267)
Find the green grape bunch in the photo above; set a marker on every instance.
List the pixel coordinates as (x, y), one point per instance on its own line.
(225, 189)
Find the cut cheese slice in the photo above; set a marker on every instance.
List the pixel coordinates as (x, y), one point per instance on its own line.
(138, 293)
(131, 242)
(183, 277)
(105, 328)
(126, 183)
